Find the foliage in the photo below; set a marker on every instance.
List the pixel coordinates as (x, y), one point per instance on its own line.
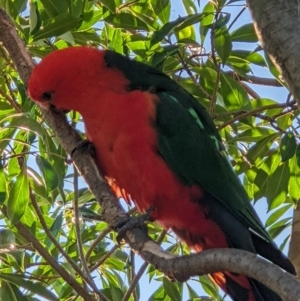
(208, 54)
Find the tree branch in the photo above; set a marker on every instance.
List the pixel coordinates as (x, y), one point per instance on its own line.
(252, 79)
(25, 233)
(237, 261)
(294, 250)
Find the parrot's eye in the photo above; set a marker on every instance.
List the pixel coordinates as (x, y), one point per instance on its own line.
(47, 96)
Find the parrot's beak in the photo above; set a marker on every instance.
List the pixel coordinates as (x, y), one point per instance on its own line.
(53, 108)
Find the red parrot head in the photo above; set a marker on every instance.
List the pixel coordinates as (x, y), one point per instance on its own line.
(67, 79)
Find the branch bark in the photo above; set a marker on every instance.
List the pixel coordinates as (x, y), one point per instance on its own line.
(278, 28)
(180, 268)
(294, 250)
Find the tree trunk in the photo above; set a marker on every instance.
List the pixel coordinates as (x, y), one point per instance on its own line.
(277, 24)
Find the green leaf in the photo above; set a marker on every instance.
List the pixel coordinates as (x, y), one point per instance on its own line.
(55, 7)
(85, 37)
(110, 4)
(259, 150)
(165, 30)
(34, 18)
(285, 121)
(3, 189)
(209, 286)
(33, 287)
(279, 226)
(192, 293)
(272, 67)
(7, 237)
(189, 20)
(5, 109)
(162, 9)
(57, 26)
(261, 102)
(89, 19)
(75, 7)
(25, 122)
(277, 186)
(207, 20)
(161, 55)
(239, 65)
(294, 181)
(274, 217)
(222, 21)
(234, 95)
(186, 35)
(171, 289)
(287, 146)
(116, 43)
(298, 155)
(252, 57)
(49, 174)
(11, 292)
(266, 169)
(126, 21)
(249, 184)
(190, 6)
(14, 8)
(245, 33)
(55, 229)
(222, 43)
(18, 197)
(208, 12)
(176, 25)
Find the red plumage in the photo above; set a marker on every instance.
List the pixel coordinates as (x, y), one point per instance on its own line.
(121, 123)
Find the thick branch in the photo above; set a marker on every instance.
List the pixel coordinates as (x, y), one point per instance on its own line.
(277, 25)
(294, 250)
(234, 260)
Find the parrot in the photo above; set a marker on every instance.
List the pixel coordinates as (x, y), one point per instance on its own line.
(159, 145)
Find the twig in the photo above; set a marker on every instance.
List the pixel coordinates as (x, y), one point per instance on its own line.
(213, 101)
(104, 257)
(52, 238)
(236, 18)
(242, 113)
(132, 274)
(77, 225)
(141, 270)
(85, 268)
(252, 79)
(191, 75)
(250, 91)
(25, 233)
(135, 281)
(95, 243)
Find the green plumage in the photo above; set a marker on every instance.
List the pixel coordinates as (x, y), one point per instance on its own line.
(189, 141)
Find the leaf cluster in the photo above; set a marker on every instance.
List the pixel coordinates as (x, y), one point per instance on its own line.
(215, 56)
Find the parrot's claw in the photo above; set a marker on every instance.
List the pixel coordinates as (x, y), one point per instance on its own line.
(83, 146)
(129, 223)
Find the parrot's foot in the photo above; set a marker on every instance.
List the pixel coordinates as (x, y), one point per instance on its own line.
(132, 222)
(84, 146)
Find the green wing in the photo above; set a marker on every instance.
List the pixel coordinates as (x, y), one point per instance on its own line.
(189, 141)
(192, 147)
